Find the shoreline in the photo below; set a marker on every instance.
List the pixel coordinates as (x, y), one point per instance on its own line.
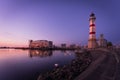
(71, 70)
(24, 48)
(95, 63)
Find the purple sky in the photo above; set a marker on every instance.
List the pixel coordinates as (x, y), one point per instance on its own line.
(62, 21)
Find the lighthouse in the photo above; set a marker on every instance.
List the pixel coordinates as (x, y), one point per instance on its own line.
(92, 42)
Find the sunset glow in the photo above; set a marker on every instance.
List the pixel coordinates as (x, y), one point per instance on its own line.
(61, 21)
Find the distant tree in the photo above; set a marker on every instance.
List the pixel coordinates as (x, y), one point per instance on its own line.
(109, 44)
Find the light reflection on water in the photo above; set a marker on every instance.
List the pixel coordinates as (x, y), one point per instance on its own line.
(28, 64)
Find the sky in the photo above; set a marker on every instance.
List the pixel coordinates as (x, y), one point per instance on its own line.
(60, 21)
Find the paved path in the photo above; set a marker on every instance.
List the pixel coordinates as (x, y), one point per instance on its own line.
(117, 76)
(105, 66)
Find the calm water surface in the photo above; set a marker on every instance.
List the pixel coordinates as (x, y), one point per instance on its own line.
(28, 64)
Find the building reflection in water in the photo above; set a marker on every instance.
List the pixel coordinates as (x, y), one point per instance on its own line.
(40, 53)
(66, 52)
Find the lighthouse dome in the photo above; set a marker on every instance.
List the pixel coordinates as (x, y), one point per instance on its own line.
(92, 14)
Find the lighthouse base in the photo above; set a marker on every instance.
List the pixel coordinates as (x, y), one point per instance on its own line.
(92, 43)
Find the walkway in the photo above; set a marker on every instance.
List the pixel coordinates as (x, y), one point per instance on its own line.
(105, 66)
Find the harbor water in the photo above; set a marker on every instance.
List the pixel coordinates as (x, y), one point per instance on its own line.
(18, 64)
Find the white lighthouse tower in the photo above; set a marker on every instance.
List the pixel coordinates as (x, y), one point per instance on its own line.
(92, 42)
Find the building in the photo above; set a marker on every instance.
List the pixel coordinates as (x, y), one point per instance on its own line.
(40, 44)
(73, 46)
(102, 42)
(63, 46)
(92, 42)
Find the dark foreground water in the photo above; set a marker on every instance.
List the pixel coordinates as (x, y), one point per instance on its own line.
(28, 64)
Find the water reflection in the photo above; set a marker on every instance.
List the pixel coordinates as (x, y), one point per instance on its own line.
(16, 64)
(66, 52)
(40, 53)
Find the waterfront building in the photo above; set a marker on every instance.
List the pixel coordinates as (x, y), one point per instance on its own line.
(63, 45)
(40, 44)
(72, 46)
(92, 42)
(102, 42)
